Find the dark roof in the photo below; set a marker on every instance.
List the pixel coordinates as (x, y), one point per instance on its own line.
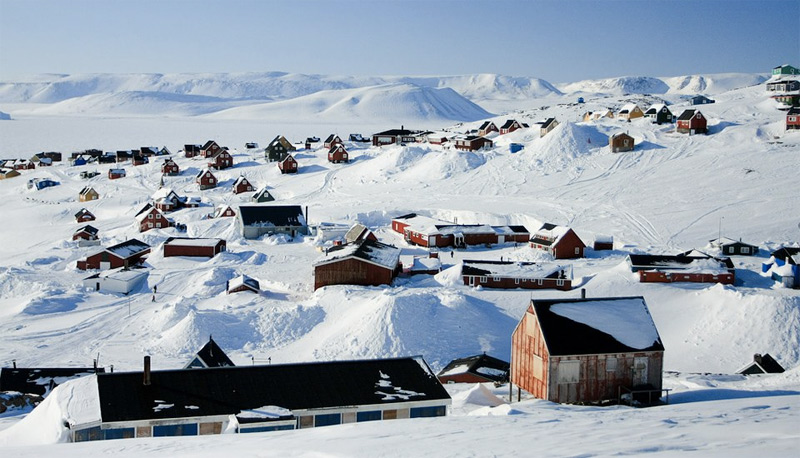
(228, 390)
(547, 122)
(213, 356)
(128, 248)
(686, 115)
(476, 363)
(785, 253)
(88, 229)
(192, 148)
(208, 144)
(369, 250)
(564, 336)
(548, 227)
(397, 132)
(765, 364)
(485, 268)
(83, 211)
(331, 138)
(508, 123)
(793, 111)
(519, 229)
(672, 261)
(276, 215)
(144, 209)
(40, 380)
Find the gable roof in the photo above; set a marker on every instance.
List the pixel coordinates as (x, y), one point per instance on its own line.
(512, 269)
(628, 108)
(203, 172)
(82, 212)
(762, 364)
(727, 241)
(688, 114)
(229, 390)
(40, 380)
(398, 132)
(241, 180)
(211, 355)
(128, 248)
(331, 138)
(596, 325)
(146, 210)
(244, 280)
(88, 229)
(690, 260)
(357, 232)
(509, 123)
(655, 108)
(209, 144)
(272, 215)
(371, 251)
(548, 122)
(786, 254)
(549, 234)
(480, 365)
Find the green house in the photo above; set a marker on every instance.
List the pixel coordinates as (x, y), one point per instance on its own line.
(785, 69)
(278, 149)
(262, 195)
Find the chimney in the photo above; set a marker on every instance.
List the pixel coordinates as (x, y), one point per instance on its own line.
(14, 363)
(434, 254)
(146, 375)
(94, 361)
(306, 214)
(757, 358)
(583, 293)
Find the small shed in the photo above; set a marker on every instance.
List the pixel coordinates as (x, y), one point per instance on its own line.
(114, 174)
(620, 143)
(84, 215)
(243, 283)
(121, 281)
(475, 369)
(88, 193)
(193, 247)
(288, 165)
(365, 262)
(691, 122)
(224, 211)
(359, 232)
(242, 185)
(603, 242)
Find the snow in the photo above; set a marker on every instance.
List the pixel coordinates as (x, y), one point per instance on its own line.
(626, 320)
(195, 242)
(518, 270)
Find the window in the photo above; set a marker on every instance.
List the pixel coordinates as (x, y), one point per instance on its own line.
(559, 282)
(730, 249)
(516, 281)
(539, 282)
(745, 250)
(538, 367)
(175, 430)
(158, 215)
(261, 429)
(435, 411)
(210, 180)
(611, 364)
(371, 415)
(496, 278)
(569, 371)
(150, 216)
(484, 279)
(577, 250)
(149, 225)
(88, 434)
(119, 433)
(327, 419)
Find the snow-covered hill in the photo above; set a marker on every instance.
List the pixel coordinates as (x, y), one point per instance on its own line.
(689, 85)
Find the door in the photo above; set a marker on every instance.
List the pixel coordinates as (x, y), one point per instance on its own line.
(105, 265)
(501, 239)
(639, 370)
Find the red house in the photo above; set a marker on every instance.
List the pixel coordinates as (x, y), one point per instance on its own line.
(243, 283)
(149, 217)
(84, 215)
(193, 247)
(510, 126)
(224, 211)
(580, 351)
(206, 179)
(512, 275)
(428, 232)
(222, 159)
(793, 119)
(486, 128)
(242, 185)
(337, 154)
(88, 233)
(170, 168)
(691, 122)
(125, 254)
(332, 141)
(209, 149)
(559, 241)
(365, 262)
(288, 165)
(692, 267)
(191, 150)
(472, 143)
(113, 174)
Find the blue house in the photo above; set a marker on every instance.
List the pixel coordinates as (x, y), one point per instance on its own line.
(783, 266)
(700, 100)
(41, 183)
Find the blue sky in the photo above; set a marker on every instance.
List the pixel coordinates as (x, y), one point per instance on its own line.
(559, 41)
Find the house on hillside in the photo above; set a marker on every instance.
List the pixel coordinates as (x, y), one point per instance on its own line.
(211, 355)
(694, 267)
(166, 200)
(191, 150)
(783, 266)
(86, 236)
(783, 85)
(394, 136)
(40, 183)
(262, 195)
(510, 126)
(365, 262)
(288, 165)
(8, 173)
(731, 247)
(41, 380)
(278, 149)
(114, 174)
(206, 180)
(84, 215)
(139, 159)
(22, 164)
(475, 369)
(630, 111)
(700, 100)
(47, 157)
(785, 69)
(337, 154)
(249, 399)
(122, 281)
(691, 122)
(603, 242)
(126, 254)
(581, 351)
(762, 364)
(516, 274)
(659, 113)
(429, 232)
(88, 193)
(224, 211)
(257, 220)
(620, 143)
(437, 138)
(486, 128)
(220, 160)
(193, 247)
(242, 283)
(150, 217)
(546, 126)
(793, 119)
(332, 141)
(472, 143)
(242, 185)
(170, 168)
(359, 232)
(210, 148)
(560, 241)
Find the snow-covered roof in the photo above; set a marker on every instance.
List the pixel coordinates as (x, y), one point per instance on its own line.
(126, 275)
(186, 241)
(549, 234)
(243, 280)
(424, 264)
(128, 248)
(368, 250)
(628, 108)
(513, 269)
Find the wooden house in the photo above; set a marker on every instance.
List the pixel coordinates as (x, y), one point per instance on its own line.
(123, 155)
(783, 85)
(209, 149)
(337, 154)
(659, 113)
(220, 160)
(783, 266)
(486, 128)
(193, 247)
(113, 174)
(122, 281)
(332, 141)
(516, 274)
(245, 399)
(47, 157)
(191, 150)
(278, 149)
(255, 221)
(242, 185)
(23, 164)
(762, 364)
(691, 122)
(126, 254)
(359, 232)
(8, 173)
(429, 264)
(394, 136)
(224, 211)
(438, 138)
(510, 126)
(560, 241)
(88, 193)
(785, 69)
(41, 183)
(700, 100)
(603, 242)
(262, 195)
(242, 283)
(730, 247)
(429, 232)
(475, 369)
(150, 151)
(288, 165)
(86, 236)
(166, 200)
(41, 380)
(546, 126)
(206, 180)
(139, 159)
(365, 262)
(211, 355)
(583, 351)
(793, 119)
(630, 111)
(472, 143)
(84, 215)
(170, 168)
(693, 267)
(150, 217)
(620, 143)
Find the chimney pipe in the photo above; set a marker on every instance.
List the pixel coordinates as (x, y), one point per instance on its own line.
(146, 375)
(757, 358)
(583, 293)
(306, 215)
(94, 362)
(14, 363)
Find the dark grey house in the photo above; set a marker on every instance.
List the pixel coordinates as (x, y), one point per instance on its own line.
(257, 220)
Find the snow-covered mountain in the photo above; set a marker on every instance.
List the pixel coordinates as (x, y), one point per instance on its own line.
(692, 84)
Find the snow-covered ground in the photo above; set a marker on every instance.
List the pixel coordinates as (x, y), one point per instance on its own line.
(673, 193)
